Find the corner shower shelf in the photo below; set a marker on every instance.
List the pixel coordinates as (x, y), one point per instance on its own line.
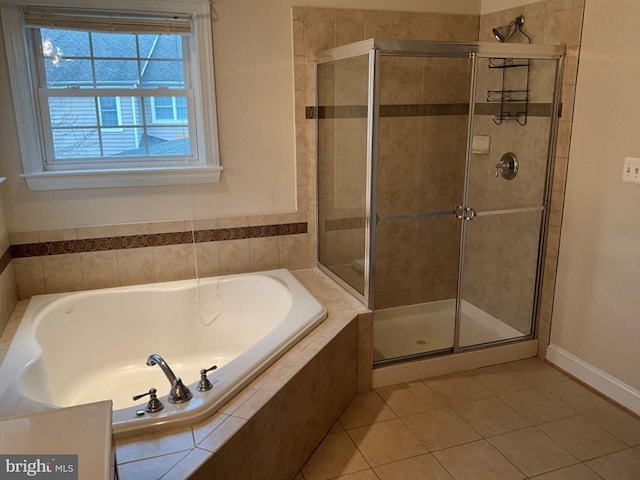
(507, 96)
(508, 62)
(519, 98)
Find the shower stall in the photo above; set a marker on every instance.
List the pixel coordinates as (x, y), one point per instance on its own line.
(434, 167)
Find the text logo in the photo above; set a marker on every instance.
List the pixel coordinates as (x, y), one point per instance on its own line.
(49, 467)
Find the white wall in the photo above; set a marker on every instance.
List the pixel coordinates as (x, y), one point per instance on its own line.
(253, 61)
(597, 304)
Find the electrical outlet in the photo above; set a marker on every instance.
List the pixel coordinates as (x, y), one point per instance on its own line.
(631, 170)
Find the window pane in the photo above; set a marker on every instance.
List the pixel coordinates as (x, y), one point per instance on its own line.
(68, 112)
(160, 46)
(113, 73)
(109, 111)
(100, 126)
(128, 109)
(163, 73)
(146, 45)
(109, 118)
(67, 73)
(168, 141)
(123, 142)
(108, 103)
(76, 143)
(166, 110)
(72, 112)
(161, 102)
(121, 45)
(115, 139)
(163, 110)
(181, 108)
(64, 43)
(160, 63)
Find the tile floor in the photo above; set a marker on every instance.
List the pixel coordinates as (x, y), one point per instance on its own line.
(513, 421)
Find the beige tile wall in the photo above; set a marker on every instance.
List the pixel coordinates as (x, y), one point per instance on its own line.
(407, 183)
(420, 169)
(550, 22)
(112, 268)
(8, 296)
(8, 291)
(501, 251)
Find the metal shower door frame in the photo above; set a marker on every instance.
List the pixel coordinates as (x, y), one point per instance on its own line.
(558, 57)
(375, 49)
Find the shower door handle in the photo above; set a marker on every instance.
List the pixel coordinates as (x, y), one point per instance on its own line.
(464, 213)
(469, 213)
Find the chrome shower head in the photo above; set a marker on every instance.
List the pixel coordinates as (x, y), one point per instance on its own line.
(504, 33)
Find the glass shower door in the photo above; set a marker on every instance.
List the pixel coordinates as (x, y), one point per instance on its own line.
(423, 123)
(506, 199)
(342, 110)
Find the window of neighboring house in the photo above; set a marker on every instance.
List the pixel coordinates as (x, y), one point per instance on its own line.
(110, 113)
(168, 109)
(119, 97)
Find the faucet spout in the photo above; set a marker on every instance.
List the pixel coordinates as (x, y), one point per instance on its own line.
(155, 359)
(179, 392)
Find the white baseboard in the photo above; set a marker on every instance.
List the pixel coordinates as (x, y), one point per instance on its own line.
(609, 386)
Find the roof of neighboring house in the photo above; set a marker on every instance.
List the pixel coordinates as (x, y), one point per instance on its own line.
(115, 58)
(158, 146)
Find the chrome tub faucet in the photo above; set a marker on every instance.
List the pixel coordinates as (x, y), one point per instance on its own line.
(179, 392)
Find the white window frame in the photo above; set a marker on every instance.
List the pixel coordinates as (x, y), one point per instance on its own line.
(201, 104)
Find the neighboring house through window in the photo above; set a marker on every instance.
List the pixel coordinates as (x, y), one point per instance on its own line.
(110, 112)
(168, 109)
(113, 91)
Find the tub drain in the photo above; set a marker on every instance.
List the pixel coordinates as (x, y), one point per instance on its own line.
(421, 342)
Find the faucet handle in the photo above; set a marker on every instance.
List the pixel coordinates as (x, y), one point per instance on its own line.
(204, 384)
(154, 404)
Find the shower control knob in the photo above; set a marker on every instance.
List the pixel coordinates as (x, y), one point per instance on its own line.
(204, 384)
(508, 166)
(154, 405)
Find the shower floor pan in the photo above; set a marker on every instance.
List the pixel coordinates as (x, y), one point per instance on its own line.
(427, 327)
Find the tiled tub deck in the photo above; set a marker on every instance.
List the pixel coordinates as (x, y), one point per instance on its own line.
(271, 428)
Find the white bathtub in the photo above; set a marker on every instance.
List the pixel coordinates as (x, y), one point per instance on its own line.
(82, 347)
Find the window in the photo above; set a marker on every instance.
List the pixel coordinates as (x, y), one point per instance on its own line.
(75, 67)
(168, 109)
(119, 97)
(110, 113)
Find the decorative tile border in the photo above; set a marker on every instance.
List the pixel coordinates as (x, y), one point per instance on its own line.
(5, 260)
(533, 109)
(151, 240)
(336, 111)
(414, 110)
(423, 110)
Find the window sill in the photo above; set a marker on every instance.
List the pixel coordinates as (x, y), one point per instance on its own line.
(138, 177)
